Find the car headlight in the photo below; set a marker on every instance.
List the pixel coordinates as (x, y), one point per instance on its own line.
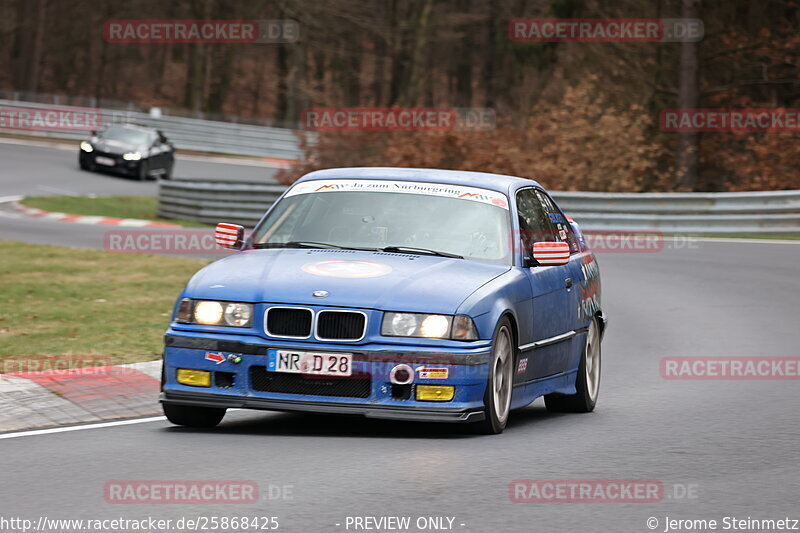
(132, 156)
(213, 313)
(459, 327)
(86, 146)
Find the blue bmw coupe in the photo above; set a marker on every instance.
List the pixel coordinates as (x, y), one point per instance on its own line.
(414, 294)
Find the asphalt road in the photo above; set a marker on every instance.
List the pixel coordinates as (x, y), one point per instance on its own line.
(34, 170)
(732, 444)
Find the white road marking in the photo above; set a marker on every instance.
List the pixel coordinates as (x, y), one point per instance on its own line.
(6, 199)
(79, 428)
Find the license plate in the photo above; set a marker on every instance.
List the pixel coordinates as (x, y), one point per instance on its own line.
(107, 161)
(315, 363)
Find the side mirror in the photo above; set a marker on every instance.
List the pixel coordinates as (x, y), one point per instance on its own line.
(229, 235)
(551, 253)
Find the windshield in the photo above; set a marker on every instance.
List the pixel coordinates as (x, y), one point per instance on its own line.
(474, 226)
(127, 135)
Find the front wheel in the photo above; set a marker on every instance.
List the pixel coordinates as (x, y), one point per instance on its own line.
(86, 165)
(192, 416)
(497, 399)
(144, 171)
(587, 382)
(168, 171)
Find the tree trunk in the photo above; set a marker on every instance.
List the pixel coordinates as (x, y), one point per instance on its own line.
(688, 143)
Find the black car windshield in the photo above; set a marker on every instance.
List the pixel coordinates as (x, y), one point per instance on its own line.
(127, 135)
(449, 220)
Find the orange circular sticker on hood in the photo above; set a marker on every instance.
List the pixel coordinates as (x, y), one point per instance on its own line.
(337, 268)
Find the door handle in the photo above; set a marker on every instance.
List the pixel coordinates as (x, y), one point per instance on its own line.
(568, 283)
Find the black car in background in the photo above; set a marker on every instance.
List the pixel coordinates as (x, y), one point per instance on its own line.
(129, 150)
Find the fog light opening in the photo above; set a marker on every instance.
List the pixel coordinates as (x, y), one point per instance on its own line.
(193, 378)
(435, 393)
(401, 375)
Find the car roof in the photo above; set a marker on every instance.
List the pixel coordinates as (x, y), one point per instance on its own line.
(486, 180)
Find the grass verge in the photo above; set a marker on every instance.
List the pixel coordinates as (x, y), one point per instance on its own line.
(141, 207)
(65, 301)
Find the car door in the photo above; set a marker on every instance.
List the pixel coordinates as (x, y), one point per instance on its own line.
(575, 320)
(548, 353)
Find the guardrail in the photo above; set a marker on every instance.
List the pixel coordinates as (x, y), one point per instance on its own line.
(212, 202)
(695, 213)
(185, 133)
(770, 212)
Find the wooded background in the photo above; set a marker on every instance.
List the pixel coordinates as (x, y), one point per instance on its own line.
(573, 115)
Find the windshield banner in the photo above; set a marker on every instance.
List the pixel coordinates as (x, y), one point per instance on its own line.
(409, 187)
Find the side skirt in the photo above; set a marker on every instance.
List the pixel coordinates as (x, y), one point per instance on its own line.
(526, 392)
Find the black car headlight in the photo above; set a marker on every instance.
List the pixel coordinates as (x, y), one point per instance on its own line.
(214, 313)
(458, 327)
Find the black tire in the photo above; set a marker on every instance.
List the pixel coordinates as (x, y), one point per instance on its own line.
(494, 423)
(584, 401)
(192, 416)
(85, 165)
(144, 171)
(168, 171)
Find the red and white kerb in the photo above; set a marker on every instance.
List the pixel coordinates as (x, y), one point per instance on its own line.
(551, 253)
(227, 234)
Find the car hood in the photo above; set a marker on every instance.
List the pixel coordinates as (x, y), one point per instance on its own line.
(115, 147)
(370, 280)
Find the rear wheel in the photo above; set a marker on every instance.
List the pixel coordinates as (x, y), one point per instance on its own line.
(193, 416)
(497, 399)
(587, 382)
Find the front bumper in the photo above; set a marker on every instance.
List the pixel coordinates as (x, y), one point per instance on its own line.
(370, 411)
(369, 392)
(120, 166)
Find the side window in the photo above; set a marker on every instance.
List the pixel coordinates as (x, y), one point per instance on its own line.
(534, 223)
(563, 231)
